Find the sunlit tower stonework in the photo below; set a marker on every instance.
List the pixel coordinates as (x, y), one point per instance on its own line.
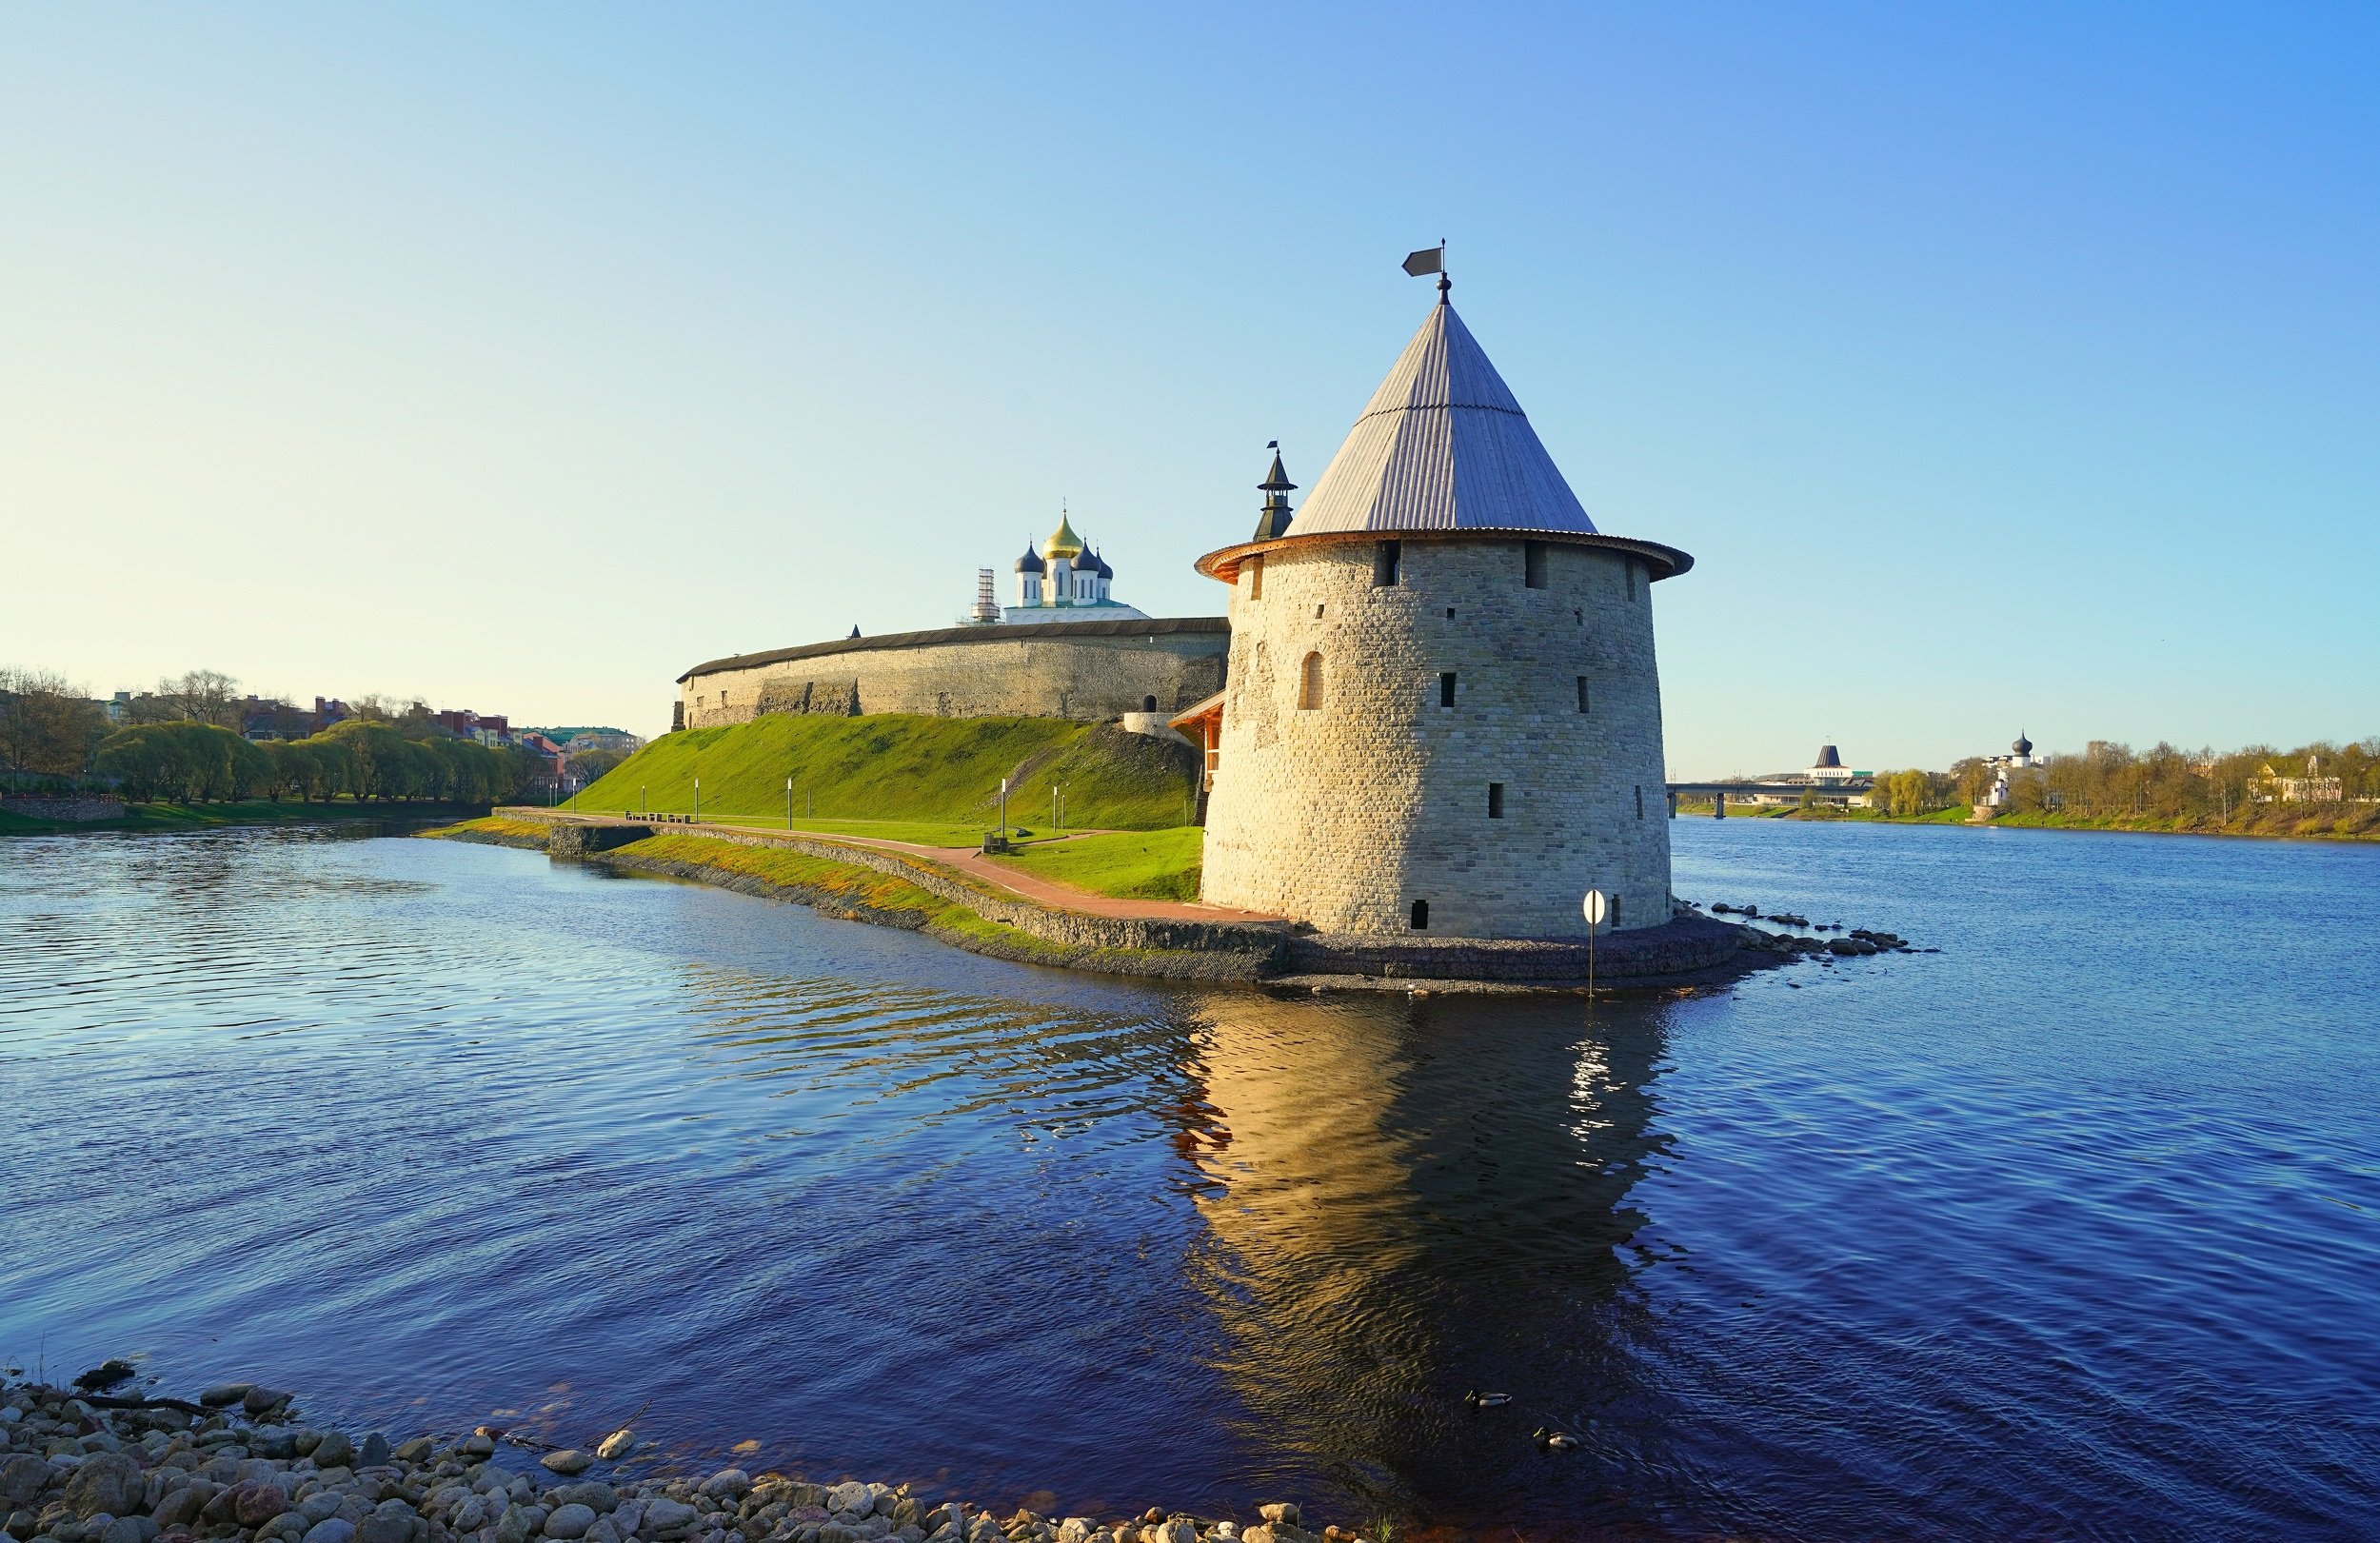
(1444, 714)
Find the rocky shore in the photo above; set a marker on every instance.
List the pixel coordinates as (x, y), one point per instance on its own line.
(240, 1465)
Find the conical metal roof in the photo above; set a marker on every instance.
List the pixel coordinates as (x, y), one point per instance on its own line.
(1443, 446)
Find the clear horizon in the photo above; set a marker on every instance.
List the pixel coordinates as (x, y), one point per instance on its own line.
(2008, 371)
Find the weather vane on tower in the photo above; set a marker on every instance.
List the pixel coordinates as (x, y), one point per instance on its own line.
(1430, 259)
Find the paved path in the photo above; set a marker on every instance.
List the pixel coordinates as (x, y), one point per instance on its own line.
(1062, 897)
(975, 865)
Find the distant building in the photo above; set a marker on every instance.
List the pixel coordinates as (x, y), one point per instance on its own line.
(1829, 767)
(557, 760)
(2271, 787)
(492, 730)
(2019, 758)
(264, 718)
(1826, 776)
(1065, 580)
(577, 740)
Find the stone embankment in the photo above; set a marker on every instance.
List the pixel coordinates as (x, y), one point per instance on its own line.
(239, 1466)
(62, 808)
(848, 879)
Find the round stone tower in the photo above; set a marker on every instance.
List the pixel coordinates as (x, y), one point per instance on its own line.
(1443, 715)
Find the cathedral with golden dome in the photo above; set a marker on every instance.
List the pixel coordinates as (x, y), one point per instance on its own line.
(1064, 580)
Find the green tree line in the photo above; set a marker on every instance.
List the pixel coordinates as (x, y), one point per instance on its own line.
(191, 762)
(2165, 784)
(184, 747)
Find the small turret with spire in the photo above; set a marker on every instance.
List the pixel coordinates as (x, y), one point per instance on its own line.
(1273, 522)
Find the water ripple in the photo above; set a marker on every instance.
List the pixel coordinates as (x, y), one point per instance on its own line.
(2068, 1230)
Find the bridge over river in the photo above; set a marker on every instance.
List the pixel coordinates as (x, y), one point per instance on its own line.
(1834, 789)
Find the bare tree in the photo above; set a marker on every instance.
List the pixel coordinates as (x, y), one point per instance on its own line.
(48, 726)
(202, 697)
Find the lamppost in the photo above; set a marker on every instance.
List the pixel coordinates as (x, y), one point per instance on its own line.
(788, 803)
(698, 800)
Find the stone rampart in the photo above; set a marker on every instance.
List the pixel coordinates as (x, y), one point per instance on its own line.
(1091, 671)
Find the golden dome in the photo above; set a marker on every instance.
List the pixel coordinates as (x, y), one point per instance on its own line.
(1062, 541)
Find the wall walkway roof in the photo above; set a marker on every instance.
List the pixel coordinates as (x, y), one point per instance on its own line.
(1146, 626)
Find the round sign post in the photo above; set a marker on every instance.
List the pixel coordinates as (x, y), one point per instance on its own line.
(1597, 905)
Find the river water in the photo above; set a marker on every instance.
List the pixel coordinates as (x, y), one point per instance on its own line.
(2070, 1229)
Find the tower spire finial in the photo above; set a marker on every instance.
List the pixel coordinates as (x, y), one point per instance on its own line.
(1430, 259)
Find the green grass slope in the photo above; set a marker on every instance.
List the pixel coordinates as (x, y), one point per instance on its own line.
(1141, 865)
(891, 766)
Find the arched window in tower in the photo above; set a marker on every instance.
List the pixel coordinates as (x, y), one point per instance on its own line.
(1310, 682)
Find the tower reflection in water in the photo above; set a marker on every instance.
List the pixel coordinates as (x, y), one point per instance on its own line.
(1407, 1200)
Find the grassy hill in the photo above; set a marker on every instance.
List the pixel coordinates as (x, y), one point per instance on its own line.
(1156, 864)
(891, 766)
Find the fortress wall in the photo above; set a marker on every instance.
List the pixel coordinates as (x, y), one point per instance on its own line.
(1045, 671)
(1347, 814)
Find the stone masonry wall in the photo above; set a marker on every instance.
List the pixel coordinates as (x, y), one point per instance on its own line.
(73, 807)
(1077, 675)
(1345, 814)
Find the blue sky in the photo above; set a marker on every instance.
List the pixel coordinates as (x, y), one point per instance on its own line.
(2001, 365)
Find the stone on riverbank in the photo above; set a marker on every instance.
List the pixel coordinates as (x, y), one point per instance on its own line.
(331, 1530)
(103, 1481)
(73, 1473)
(568, 1461)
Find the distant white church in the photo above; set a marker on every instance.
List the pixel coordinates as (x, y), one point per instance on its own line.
(1063, 581)
(1995, 797)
